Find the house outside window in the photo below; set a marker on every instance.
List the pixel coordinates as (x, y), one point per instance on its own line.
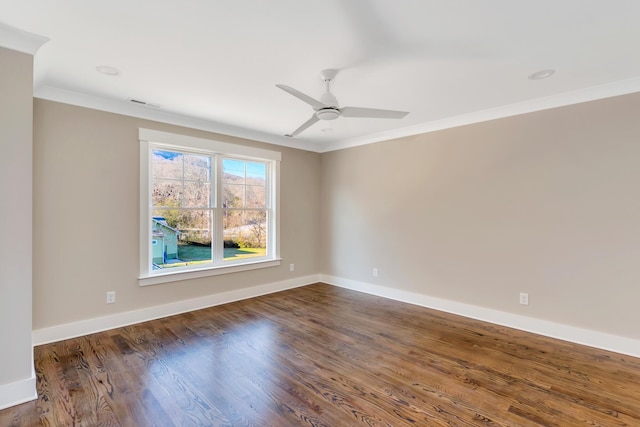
(206, 207)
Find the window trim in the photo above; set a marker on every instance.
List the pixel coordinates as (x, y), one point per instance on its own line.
(147, 137)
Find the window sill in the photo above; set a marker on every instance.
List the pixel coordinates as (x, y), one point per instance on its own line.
(175, 276)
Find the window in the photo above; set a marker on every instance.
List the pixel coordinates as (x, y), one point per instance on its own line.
(206, 207)
(244, 203)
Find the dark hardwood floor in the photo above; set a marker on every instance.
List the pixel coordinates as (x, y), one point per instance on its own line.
(325, 356)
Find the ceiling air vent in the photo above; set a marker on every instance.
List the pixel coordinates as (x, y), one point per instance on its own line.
(142, 103)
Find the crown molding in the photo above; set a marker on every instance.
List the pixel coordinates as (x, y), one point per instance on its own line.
(622, 87)
(65, 96)
(19, 40)
(593, 93)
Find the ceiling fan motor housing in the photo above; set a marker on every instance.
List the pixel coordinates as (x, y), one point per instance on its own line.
(328, 113)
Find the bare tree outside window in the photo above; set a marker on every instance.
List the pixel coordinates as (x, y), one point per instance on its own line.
(182, 208)
(245, 205)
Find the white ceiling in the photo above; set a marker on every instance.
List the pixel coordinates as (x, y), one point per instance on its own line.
(214, 64)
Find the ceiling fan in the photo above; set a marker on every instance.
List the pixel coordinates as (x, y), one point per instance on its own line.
(327, 107)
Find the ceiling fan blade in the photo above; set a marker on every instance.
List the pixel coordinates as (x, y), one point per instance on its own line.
(305, 125)
(372, 113)
(306, 98)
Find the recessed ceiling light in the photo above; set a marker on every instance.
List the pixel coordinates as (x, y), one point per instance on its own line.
(542, 74)
(106, 70)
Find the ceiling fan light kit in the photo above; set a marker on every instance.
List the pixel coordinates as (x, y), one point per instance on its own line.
(327, 107)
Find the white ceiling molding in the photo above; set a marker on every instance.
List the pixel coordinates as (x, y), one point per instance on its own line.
(19, 40)
(593, 93)
(574, 97)
(140, 111)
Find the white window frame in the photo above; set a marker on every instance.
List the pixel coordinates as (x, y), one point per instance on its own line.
(152, 139)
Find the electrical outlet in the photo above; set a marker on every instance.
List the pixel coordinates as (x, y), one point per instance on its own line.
(524, 298)
(375, 272)
(111, 297)
(292, 267)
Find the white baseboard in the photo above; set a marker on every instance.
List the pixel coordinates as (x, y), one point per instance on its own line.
(573, 334)
(98, 324)
(18, 392)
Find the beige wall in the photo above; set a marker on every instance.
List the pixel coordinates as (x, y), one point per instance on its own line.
(546, 203)
(16, 92)
(86, 217)
(543, 203)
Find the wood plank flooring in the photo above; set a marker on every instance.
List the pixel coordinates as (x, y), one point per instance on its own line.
(325, 356)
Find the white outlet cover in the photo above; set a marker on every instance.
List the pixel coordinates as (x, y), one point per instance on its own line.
(111, 297)
(524, 298)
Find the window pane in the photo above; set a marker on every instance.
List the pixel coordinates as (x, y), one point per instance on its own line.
(233, 196)
(257, 171)
(256, 197)
(232, 221)
(166, 193)
(244, 184)
(196, 194)
(166, 164)
(197, 168)
(180, 237)
(245, 234)
(233, 171)
(195, 226)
